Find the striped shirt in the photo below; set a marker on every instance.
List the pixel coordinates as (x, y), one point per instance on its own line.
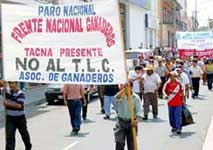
(17, 97)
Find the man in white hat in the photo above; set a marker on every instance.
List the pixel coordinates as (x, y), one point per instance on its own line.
(151, 84)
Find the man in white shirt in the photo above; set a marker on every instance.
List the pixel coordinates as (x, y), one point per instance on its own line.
(196, 73)
(151, 84)
(136, 79)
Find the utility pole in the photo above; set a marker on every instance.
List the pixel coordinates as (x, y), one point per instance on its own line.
(195, 18)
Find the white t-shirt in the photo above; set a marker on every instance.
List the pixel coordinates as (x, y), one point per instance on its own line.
(151, 82)
(136, 83)
(196, 72)
(183, 79)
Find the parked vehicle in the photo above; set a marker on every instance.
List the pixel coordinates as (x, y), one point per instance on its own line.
(54, 94)
(135, 54)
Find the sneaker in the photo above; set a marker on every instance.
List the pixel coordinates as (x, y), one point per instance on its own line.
(107, 117)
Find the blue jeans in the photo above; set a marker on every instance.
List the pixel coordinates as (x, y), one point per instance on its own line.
(108, 100)
(175, 117)
(74, 107)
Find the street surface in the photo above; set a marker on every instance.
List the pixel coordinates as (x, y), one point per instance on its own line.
(34, 96)
(50, 128)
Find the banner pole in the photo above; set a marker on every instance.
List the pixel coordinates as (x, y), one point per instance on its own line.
(3, 77)
(129, 93)
(5, 112)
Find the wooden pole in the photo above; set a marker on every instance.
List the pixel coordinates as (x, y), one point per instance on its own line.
(5, 111)
(131, 110)
(129, 94)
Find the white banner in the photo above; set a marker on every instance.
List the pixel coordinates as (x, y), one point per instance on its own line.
(195, 40)
(75, 43)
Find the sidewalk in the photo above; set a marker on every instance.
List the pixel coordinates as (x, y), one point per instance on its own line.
(34, 96)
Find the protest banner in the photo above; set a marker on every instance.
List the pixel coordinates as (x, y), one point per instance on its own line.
(195, 43)
(73, 43)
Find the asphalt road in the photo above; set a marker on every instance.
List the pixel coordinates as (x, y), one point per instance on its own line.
(34, 96)
(50, 128)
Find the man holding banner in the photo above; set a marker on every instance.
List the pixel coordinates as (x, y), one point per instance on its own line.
(125, 126)
(15, 116)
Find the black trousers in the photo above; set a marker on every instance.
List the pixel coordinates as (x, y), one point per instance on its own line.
(160, 90)
(20, 123)
(123, 130)
(196, 86)
(209, 81)
(101, 96)
(84, 109)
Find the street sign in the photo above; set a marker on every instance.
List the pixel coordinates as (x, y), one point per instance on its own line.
(77, 43)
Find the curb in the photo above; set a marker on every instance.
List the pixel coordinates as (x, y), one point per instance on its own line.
(208, 144)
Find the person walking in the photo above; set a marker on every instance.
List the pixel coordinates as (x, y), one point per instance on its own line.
(173, 93)
(162, 72)
(73, 94)
(124, 126)
(136, 80)
(196, 73)
(109, 93)
(209, 73)
(151, 83)
(15, 115)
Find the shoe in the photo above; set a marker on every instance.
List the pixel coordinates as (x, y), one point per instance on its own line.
(179, 132)
(74, 132)
(107, 117)
(173, 130)
(84, 118)
(102, 111)
(155, 116)
(145, 118)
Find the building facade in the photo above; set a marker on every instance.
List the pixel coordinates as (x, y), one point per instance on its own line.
(186, 24)
(169, 18)
(151, 26)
